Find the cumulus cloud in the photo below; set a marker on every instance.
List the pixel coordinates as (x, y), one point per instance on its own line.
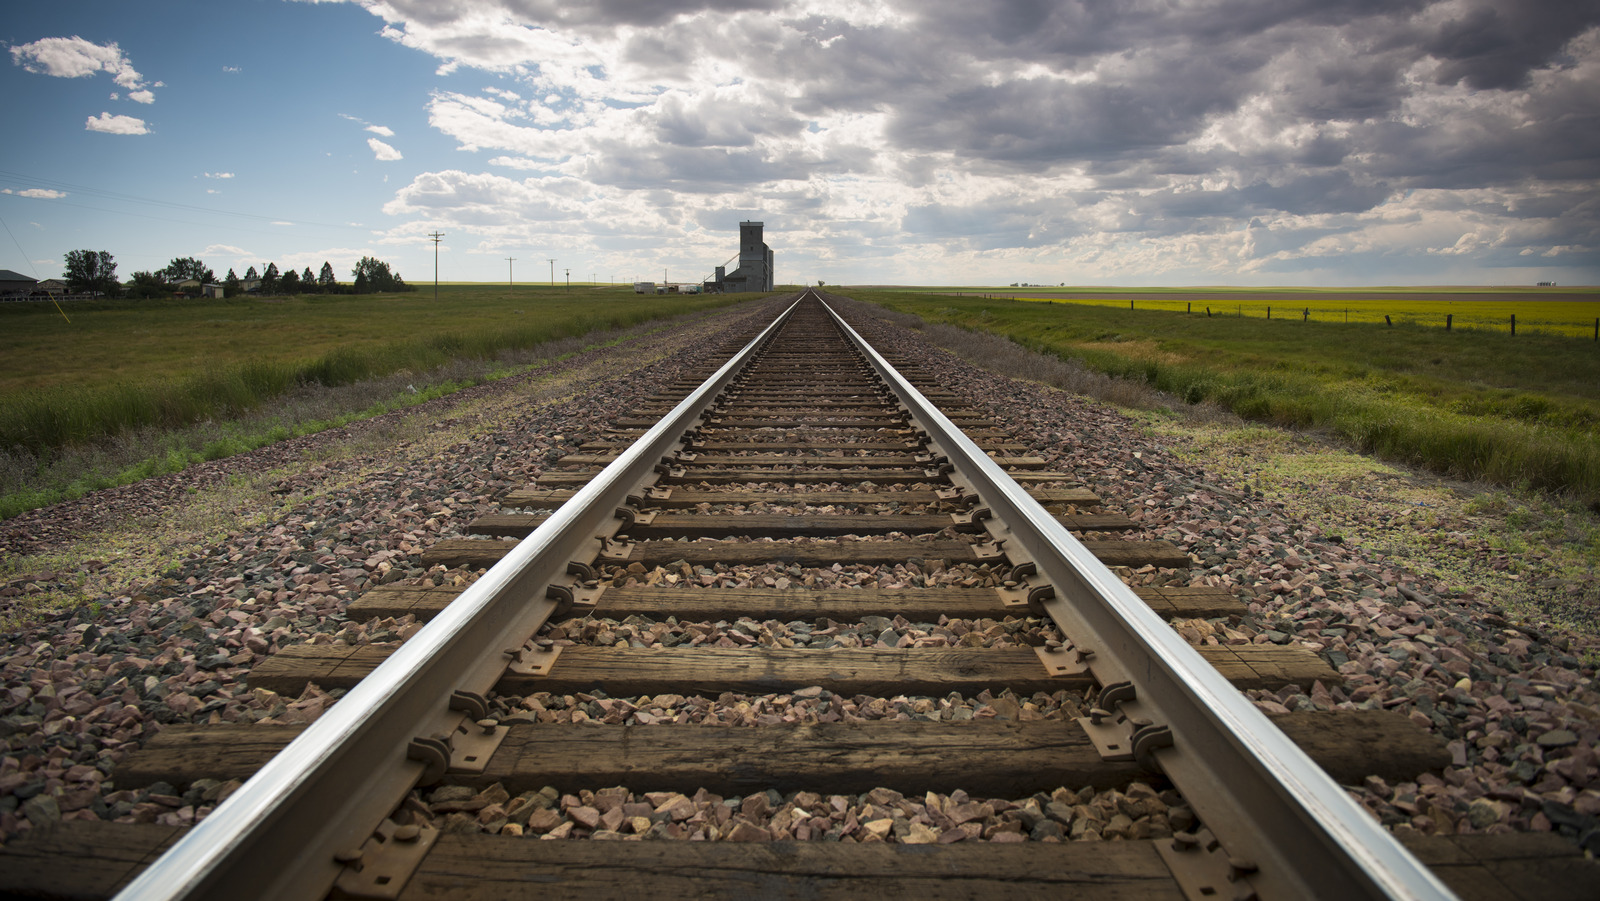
(117, 125)
(383, 151)
(35, 193)
(75, 57)
(1223, 138)
(383, 130)
(219, 175)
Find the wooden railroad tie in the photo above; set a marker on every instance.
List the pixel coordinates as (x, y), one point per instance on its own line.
(94, 859)
(986, 758)
(756, 525)
(934, 672)
(486, 552)
(693, 604)
(538, 497)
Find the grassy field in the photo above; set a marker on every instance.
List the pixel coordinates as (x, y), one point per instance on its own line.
(186, 377)
(1470, 403)
(123, 364)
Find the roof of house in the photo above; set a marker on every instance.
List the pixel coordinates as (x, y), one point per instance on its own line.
(6, 275)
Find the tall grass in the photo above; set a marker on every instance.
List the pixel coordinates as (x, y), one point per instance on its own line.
(45, 419)
(1515, 411)
(31, 480)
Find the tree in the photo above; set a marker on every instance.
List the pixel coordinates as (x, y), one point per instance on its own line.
(182, 268)
(251, 275)
(231, 286)
(149, 284)
(325, 279)
(269, 279)
(374, 275)
(92, 271)
(290, 283)
(307, 280)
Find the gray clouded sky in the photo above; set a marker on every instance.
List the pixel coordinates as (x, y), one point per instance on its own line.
(952, 141)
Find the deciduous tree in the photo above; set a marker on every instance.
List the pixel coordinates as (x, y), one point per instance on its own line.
(231, 286)
(92, 270)
(372, 274)
(182, 268)
(149, 284)
(270, 279)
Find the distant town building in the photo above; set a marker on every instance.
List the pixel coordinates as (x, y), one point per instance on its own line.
(755, 264)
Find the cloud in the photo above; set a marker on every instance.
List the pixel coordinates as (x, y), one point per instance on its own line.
(383, 151)
(383, 130)
(142, 96)
(1232, 137)
(219, 175)
(232, 70)
(117, 125)
(75, 57)
(36, 193)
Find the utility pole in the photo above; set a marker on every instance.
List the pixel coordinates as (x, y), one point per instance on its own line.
(436, 236)
(511, 280)
(569, 280)
(552, 273)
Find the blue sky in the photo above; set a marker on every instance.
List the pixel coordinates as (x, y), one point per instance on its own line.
(1250, 142)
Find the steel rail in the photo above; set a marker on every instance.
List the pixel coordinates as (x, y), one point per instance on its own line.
(276, 836)
(1259, 794)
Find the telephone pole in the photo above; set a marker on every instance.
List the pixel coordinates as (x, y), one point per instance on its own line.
(511, 280)
(569, 279)
(552, 273)
(436, 236)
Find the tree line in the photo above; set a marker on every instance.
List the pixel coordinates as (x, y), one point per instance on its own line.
(95, 272)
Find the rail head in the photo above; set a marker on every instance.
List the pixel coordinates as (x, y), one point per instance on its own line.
(1252, 786)
(330, 788)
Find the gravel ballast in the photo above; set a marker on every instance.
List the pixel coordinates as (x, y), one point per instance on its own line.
(1516, 701)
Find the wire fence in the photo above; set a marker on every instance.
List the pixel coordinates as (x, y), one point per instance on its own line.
(1573, 319)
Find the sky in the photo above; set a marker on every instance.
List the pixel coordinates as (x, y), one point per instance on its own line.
(935, 142)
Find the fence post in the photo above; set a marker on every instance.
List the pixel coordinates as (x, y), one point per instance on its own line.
(1448, 318)
(1306, 316)
(1597, 330)
(1513, 324)
(1386, 320)
(1130, 304)
(1596, 323)
(1188, 307)
(1269, 312)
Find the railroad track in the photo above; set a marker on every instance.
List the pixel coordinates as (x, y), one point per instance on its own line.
(807, 450)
